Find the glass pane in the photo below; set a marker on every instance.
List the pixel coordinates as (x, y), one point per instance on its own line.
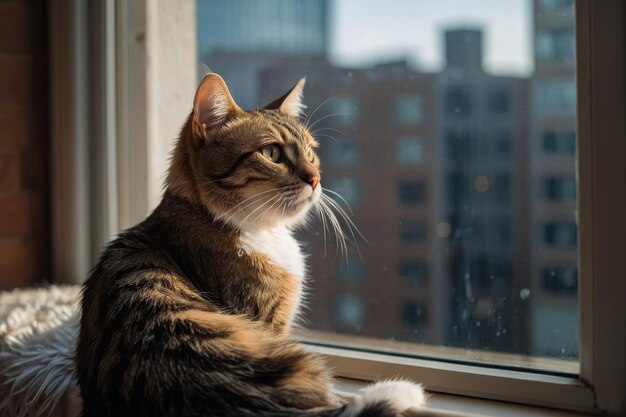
(449, 129)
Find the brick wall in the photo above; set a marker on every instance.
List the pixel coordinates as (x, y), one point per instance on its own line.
(24, 144)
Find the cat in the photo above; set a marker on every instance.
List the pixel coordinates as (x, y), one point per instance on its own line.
(189, 312)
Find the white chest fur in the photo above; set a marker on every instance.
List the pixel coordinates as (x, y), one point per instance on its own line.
(283, 249)
(279, 245)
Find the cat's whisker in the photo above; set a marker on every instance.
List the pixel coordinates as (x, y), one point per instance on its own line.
(350, 224)
(346, 217)
(258, 208)
(324, 225)
(340, 237)
(262, 216)
(245, 207)
(342, 199)
(321, 129)
(326, 136)
(240, 207)
(308, 119)
(326, 117)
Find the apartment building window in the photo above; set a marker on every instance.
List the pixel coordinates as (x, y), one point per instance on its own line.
(560, 280)
(559, 5)
(412, 231)
(503, 145)
(560, 235)
(458, 101)
(503, 230)
(459, 143)
(555, 96)
(556, 45)
(559, 143)
(413, 273)
(343, 152)
(411, 193)
(409, 150)
(349, 310)
(499, 101)
(414, 314)
(408, 110)
(559, 188)
(502, 188)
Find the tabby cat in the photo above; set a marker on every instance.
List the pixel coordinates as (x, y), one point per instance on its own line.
(188, 313)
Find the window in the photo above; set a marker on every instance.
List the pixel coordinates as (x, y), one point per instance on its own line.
(344, 152)
(475, 318)
(503, 231)
(456, 199)
(408, 110)
(560, 235)
(412, 231)
(414, 314)
(561, 143)
(555, 96)
(556, 45)
(502, 188)
(409, 150)
(411, 193)
(349, 311)
(503, 145)
(560, 280)
(458, 101)
(556, 5)
(499, 101)
(559, 188)
(413, 273)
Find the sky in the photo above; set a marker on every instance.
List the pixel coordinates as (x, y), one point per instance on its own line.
(368, 31)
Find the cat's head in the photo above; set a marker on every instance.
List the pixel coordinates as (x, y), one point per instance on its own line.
(254, 168)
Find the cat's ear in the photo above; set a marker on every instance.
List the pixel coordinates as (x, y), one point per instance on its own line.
(212, 105)
(291, 102)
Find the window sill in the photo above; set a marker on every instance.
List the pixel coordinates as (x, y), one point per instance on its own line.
(445, 405)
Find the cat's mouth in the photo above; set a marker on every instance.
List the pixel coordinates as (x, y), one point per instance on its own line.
(306, 197)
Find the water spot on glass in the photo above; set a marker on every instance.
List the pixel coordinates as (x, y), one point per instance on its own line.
(503, 331)
(524, 294)
(478, 324)
(467, 276)
(481, 183)
(443, 229)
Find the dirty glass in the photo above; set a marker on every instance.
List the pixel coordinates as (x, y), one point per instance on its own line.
(449, 129)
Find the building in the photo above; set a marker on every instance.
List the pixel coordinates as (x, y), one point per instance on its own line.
(380, 158)
(553, 261)
(238, 38)
(481, 130)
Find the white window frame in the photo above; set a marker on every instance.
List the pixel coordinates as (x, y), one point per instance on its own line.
(127, 79)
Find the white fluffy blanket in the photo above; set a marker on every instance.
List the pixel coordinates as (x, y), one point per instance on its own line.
(38, 332)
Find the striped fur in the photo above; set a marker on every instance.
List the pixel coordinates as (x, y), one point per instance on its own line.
(188, 313)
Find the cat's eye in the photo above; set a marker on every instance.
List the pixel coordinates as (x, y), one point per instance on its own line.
(272, 152)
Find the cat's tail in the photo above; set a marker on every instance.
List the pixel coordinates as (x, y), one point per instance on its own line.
(388, 398)
(384, 399)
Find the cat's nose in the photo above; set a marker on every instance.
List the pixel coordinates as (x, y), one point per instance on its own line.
(314, 181)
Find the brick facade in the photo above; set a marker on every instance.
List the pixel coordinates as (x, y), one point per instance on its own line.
(24, 144)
